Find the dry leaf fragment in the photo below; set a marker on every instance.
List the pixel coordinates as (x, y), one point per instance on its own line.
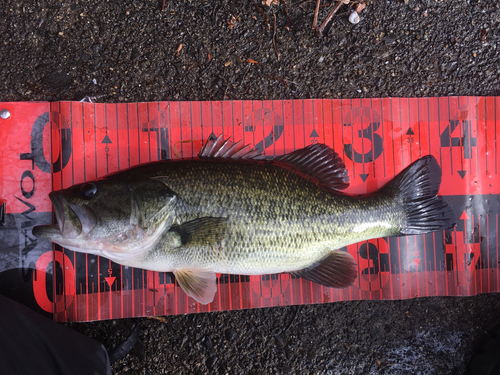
(179, 49)
(209, 56)
(228, 63)
(251, 61)
(232, 22)
(159, 318)
(360, 7)
(483, 35)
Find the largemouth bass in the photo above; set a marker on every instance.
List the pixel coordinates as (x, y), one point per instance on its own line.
(229, 212)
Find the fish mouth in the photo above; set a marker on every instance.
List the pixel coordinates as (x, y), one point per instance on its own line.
(72, 220)
(51, 232)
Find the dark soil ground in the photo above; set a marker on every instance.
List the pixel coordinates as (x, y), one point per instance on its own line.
(130, 50)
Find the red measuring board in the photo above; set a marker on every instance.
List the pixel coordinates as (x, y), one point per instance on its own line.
(377, 139)
(25, 181)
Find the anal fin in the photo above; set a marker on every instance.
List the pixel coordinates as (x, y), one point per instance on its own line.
(337, 270)
(198, 284)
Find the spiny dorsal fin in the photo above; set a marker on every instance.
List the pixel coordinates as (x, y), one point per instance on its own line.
(221, 148)
(201, 232)
(321, 162)
(318, 160)
(337, 270)
(197, 283)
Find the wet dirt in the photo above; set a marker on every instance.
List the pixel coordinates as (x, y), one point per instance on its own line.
(131, 50)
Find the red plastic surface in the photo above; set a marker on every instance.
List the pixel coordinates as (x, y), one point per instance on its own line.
(376, 137)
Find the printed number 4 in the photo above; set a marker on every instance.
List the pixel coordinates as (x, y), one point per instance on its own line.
(466, 141)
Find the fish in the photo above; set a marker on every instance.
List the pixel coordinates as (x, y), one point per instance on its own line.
(232, 211)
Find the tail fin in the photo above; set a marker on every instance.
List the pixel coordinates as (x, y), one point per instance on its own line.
(416, 188)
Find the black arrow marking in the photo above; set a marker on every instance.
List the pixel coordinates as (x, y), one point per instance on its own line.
(314, 134)
(410, 132)
(106, 139)
(462, 174)
(363, 176)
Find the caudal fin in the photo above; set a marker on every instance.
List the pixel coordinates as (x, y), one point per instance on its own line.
(416, 188)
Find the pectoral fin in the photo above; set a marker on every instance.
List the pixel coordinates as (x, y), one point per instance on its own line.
(198, 284)
(337, 270)
(205, 231)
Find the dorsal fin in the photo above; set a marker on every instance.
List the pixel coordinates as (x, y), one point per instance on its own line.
(321, 162)
(318, 160)
(220, 148)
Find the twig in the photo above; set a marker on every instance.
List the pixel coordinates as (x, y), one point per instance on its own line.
(299, 307)
(286, 14)
(158, 318)
(274, 38)
(227, 86)
(319, 30)
(316, 11)
(280, 79)
(263, 14)
(303, 2)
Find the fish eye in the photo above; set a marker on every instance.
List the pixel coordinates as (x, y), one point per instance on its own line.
(88, 190)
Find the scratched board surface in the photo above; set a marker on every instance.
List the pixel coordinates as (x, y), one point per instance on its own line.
(25, 180)
(377, 138)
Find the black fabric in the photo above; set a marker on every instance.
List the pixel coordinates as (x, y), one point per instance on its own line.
(122, 350)
(33, 344)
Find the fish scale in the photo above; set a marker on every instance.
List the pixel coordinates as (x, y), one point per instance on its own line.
(294, 223)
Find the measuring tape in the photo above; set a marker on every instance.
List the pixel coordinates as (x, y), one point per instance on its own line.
(377, 138)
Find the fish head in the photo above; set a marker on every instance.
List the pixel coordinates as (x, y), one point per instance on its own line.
(112, 217)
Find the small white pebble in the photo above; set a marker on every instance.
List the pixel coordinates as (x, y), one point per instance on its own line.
(354, 17)
(95, 81)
